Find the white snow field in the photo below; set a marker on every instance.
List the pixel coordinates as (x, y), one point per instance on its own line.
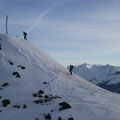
(25, 69)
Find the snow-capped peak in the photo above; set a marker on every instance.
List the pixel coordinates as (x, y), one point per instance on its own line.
(106, 76)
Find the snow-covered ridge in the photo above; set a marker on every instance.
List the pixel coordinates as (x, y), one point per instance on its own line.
(33, 86)
(100, 74)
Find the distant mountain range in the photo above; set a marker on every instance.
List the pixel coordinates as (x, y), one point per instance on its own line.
(105, 76)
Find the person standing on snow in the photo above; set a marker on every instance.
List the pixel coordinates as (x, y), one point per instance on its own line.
(70, 69)
(25, 35)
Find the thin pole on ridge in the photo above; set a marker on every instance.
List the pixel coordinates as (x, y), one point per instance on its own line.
(6, 24)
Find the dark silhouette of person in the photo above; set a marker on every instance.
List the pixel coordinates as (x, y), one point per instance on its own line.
(70, 69)
(25, 35)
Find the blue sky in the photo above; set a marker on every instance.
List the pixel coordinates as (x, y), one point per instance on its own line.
(71, 31)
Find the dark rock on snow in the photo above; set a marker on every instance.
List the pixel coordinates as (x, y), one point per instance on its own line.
(5, 102)
(40, 92)
(17, 74)
(16, 106)
(71, 118)
(64, 105)
(59, 118)
(48, 117)
(5, 84)
(24, 106)
(34, 95)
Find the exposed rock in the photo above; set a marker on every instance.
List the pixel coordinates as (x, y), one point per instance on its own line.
(54, 97)
(48, 117)
(11, 63)
(16, 106)
(5, 84)
(45, 100)
(59, 118)
(40, 92)
(22, 67)
(38, 101)
(46, 96)
(71, 118)
(5, 102)
(44, 82)
(52, 110)
(64, 105)
(17, 74)
(19, 66)
(40, 96)
(34, 95)
(24, 106)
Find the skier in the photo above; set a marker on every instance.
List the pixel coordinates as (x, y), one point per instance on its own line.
(70, 69)
(25, 35)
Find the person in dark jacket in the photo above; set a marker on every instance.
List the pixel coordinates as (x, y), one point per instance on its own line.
(70, 69)
(25, 35)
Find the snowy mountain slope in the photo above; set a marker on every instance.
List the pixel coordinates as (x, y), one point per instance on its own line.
(35, 87)
(105, 76)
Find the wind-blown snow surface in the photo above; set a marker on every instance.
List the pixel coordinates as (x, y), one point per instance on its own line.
(88, 102)
(105, 76)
